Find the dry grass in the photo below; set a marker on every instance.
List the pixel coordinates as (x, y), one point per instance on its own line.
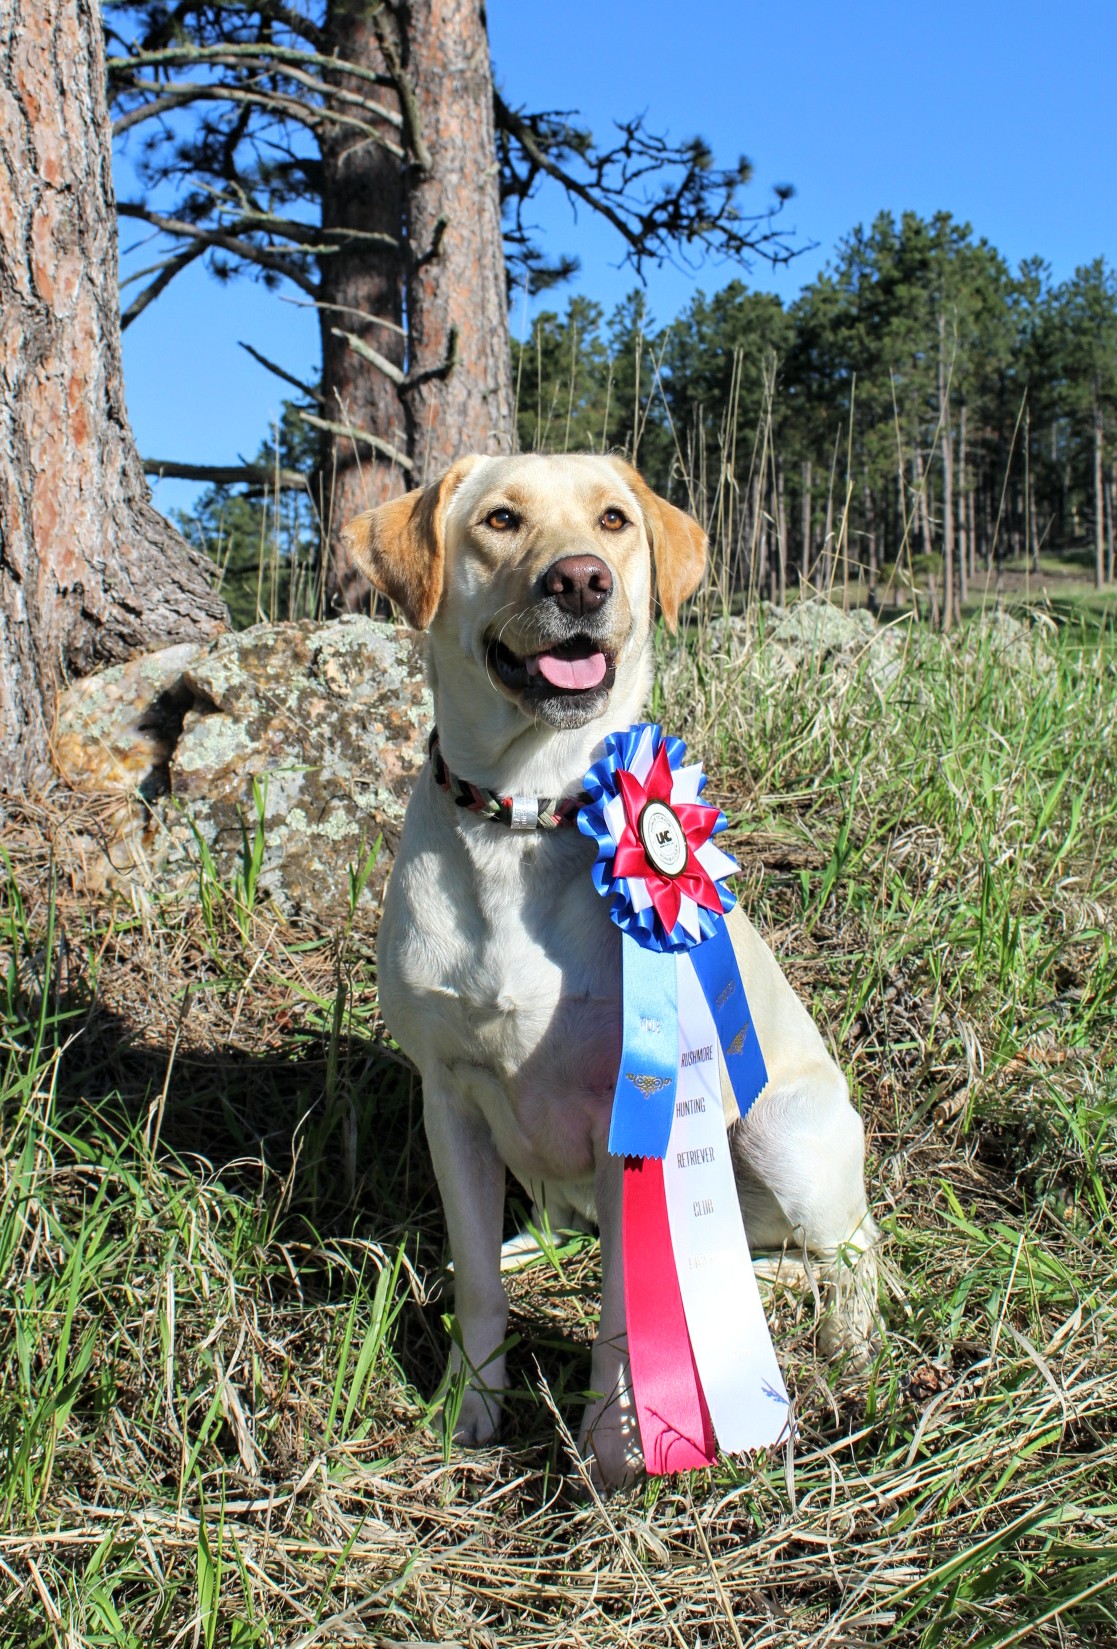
(221, 1332)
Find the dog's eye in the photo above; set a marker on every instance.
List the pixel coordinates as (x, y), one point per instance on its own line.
(502, 520)
(614, 520)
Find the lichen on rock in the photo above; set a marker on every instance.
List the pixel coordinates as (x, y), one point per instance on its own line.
(329, 720)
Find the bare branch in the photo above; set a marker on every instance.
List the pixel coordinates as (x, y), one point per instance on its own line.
(442, 370)
(306, 389)
(350, 432)
(367, 353)
(405, 90)
(172, 267)
(227, 475)
(232, 54)
(307, 235)
(660, 197)
(232, 244)
(310, 115)
(405, 382)
(347, 309)
(522, 131)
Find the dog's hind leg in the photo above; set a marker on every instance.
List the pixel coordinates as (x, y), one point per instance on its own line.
(470, 1177)
(553, 1213)
(799, 1160)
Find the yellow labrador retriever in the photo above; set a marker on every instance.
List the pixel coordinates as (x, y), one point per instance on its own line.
(499, 968)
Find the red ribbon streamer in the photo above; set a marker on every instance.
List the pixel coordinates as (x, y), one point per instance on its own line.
(675, 1427)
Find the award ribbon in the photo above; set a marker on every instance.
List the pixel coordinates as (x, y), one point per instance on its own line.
(699, 1345)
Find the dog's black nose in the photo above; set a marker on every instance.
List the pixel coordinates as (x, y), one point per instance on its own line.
(579, 583)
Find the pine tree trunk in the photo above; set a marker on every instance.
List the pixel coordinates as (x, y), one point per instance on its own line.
(871, 538)
(828, 540)
(361, 294)
(437, 268)
(920, 486)
(988, 530)
(805, 556)
(781, 537)
(90, 573)
(1099, 539)
(948, 605)
(457, 295)
(963, 535)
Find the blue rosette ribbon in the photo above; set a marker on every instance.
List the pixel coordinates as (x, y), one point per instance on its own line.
(663, 874)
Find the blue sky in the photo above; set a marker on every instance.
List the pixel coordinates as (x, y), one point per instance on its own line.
(1002, 114)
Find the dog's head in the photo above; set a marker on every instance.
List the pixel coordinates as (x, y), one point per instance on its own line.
(537, 569)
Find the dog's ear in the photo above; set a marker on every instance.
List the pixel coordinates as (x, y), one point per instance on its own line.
(401, 547)
(678, 544)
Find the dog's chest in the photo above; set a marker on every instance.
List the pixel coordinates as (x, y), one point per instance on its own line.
(499, 961)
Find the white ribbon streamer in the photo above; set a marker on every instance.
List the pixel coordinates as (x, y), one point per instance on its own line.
(725, 1318)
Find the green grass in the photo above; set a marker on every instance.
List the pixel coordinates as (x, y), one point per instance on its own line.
(221, 1306)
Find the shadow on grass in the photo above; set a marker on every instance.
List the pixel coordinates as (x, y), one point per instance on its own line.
(322, 1139)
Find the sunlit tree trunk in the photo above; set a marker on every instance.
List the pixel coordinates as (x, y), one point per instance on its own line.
(361, 314)
(827, 563)
(90, 573)
(805, 547)
(781, 536)
(1032, 525)
(1099, 530)
(964, 550)
(871, 540)
(434, 266)
(948, 605)
(459, 358)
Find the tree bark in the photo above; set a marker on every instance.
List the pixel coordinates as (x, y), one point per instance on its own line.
(459, 355)
(805, 548)
(443, 386)
(1099, 532)
(1033, 517)
(964, 563)
(919, 483)
(90, 573)
(781, 535)
(948, 605)
(362, 298)
(827, 575)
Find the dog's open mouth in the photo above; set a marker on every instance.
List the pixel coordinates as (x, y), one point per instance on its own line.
(577, 666)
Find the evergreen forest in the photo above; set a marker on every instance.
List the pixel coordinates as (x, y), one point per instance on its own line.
(918, 420)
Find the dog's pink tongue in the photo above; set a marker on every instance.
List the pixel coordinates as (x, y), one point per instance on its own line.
(578, 673)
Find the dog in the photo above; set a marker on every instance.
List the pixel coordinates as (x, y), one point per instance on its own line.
(499, 969)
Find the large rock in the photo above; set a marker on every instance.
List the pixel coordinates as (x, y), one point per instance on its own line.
(815, 636)
(318, 730)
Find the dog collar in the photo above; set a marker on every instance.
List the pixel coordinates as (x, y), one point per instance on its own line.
(517, 812)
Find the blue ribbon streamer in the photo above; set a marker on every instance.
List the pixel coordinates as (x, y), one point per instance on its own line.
(715, 963)
(644, 1103)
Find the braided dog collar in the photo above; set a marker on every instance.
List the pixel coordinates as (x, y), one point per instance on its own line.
(517, 812)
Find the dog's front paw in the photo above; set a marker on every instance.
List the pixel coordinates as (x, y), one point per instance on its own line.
(478, 1419)
(849, 1330)
(609, 1442)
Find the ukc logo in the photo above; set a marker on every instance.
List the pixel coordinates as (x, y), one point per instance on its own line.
(663, 839)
